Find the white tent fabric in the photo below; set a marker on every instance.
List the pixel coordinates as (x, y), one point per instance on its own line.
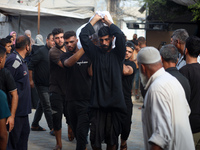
(185, 2)
(66, 8)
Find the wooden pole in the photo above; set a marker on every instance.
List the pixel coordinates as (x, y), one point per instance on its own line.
(38, 17)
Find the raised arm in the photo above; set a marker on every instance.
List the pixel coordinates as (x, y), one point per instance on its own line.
(87, 44)
(74, 58)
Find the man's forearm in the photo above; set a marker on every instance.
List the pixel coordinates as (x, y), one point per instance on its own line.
(74, 58)
(14, 103)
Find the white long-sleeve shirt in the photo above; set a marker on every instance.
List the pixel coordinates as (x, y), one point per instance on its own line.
(165, 114)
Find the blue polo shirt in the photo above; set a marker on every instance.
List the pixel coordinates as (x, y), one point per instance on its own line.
(18, 68)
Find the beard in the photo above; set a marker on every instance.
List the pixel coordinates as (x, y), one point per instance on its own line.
(58, 46)
(143, 78)
(73, 49)
(105, 48)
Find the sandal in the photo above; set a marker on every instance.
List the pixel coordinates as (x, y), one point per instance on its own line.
(70, 134)
(57, 148)
(123, 147)
(39, 128)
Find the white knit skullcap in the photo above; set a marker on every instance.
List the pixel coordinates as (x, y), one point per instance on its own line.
(148, 55)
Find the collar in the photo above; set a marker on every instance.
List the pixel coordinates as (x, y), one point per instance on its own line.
(154, 76)
(19, 56)
(171, 69)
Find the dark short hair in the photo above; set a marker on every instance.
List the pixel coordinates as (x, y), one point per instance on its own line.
(193, 46)
(142, 40)
(9, 37)
(136, 42)
(69, 34)
(22, 41)
(169, 53)
(4, 41)
(130, 44)
(103, 31)
(48, 36)
(57, 31)
(2, 51)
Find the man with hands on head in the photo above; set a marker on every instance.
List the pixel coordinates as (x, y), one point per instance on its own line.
(108, 106)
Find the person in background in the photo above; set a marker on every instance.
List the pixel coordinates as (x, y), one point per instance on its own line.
(192, 72)
(178, 39)
(39, 66)
(28, 33)
(169, 56)
(11, 39)
(14, 35)
(7, 44)
(129, 68)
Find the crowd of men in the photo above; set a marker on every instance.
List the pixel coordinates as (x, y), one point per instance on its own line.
(92, 87)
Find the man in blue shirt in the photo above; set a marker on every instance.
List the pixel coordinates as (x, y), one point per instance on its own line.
(18, 137)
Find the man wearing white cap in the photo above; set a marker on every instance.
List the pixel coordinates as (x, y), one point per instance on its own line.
(165, 111)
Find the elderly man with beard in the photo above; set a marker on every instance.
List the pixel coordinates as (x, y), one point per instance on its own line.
(165, 111)
(57, 85)
(107, 99)
(78, 71)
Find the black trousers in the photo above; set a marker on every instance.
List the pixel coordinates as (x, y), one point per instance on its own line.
(18, 137)
(126, 125)
(79, 121)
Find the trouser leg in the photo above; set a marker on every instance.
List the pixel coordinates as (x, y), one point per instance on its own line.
(126, 124)
(38, 115)
(18, 137)
(45, 103)
(82, 124)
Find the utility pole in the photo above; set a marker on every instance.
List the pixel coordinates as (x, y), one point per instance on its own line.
(38, 16)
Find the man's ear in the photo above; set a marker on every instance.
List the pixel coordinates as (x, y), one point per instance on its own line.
(27, 47)
(1, 59)
(186, 51)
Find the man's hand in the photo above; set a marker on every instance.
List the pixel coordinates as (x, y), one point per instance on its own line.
(11, 122)
(106, 21)
(31, 83)
(95, 19)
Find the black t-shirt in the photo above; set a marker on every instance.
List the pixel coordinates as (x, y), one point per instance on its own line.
(127, 81)
(78, 81)
(57, 80)
(182, 79)
(192, 73)
(7, 82)
(39, 64)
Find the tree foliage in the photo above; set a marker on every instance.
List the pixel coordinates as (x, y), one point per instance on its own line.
(165, 10)
(195, 8)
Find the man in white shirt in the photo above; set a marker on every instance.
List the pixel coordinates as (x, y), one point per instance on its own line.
(165, 111)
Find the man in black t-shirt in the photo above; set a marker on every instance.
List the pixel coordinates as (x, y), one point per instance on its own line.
(169, 55)
(7, 84)
(57, 84)
(78, 86)
(129, 68)
(192, 72)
